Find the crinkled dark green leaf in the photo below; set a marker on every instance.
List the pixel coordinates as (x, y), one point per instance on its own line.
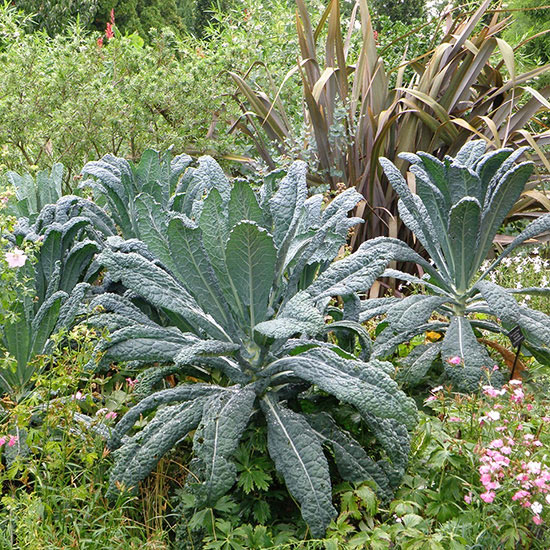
(298, 456)
(224, 420)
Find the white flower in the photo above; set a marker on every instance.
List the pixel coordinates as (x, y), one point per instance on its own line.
(536, 507)
(16, 258)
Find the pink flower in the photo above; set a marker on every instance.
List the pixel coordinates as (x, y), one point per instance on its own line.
(515, 382)
(496, 443)
(454, 419)
(529, 407)
(506, 450)
(518, 395)
(521, 494)
(131, 382)
(431, 398)
(16, 258)
(468, 498)
(485, 478)
(537, 520)
(546, 418)
(2, 440)
(109, 31)
(78, 396)
(13, 440)
(456, 360)
(111, 414)
(534, 467)
(492, 392)
(540, 482)
(112, 16)
(488, 497)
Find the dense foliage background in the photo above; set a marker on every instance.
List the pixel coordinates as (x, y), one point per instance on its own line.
(81, 80)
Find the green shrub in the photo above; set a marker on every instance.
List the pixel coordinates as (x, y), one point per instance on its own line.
(55, 16)
(52, 475)
(68, 100)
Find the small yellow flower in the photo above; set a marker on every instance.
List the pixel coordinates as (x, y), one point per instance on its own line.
(433, 336)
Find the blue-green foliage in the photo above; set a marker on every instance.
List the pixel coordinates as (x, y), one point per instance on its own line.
(68, 233)
(237, 282)
(459, 205)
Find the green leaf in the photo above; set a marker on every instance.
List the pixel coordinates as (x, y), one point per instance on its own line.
(536, 326)
(149, 177)
(138, 456)
(76, 264)
(243, 205)
(151, 223)
(463, 182)
(464, 221)
(159, 288)
(352, 461)
(299, 458)
(251, 258)
(471, 152)
(363, 385)
(488, 166)
(417, 363)
(224, 420)
(204, 348)
(460, 341)
(299, 315)
(146, 343)
(286, 204)
(437, 172)
(374, 307)
(71, 307)
(195, 271)
(435, 202)
(215, 233)
(179, 394)
(497, 206)
(116, 177)
(412, 310)
(45, 320)
(502, 304)
(412, 210)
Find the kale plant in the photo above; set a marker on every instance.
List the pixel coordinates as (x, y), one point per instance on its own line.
(459, 206)
(241, 282)
(68, 235)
